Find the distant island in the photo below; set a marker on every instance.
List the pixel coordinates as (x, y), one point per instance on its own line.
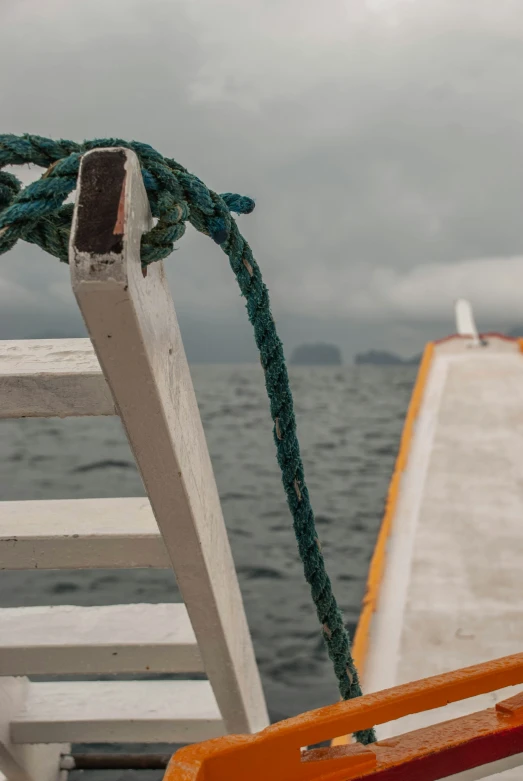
(316, 355)
(383, 358)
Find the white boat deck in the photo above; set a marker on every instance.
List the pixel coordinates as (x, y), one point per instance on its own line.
(452, 589)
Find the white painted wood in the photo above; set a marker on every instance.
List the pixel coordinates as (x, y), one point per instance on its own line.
(52, 378)
(387, 624)
(67, 640)
(118, 711)
(451, 595)
(465, 323)
(80, 534)
(24, 763)
(134, 330)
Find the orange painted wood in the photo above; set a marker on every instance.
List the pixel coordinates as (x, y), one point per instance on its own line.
(275, 752)
(438, 751)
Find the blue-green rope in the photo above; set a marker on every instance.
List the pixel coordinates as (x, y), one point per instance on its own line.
(37, 214)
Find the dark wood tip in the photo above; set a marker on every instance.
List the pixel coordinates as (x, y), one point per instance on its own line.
(100, 224)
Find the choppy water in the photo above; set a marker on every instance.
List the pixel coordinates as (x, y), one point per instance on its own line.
(349, 420)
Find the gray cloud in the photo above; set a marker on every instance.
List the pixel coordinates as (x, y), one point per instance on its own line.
(382, 142)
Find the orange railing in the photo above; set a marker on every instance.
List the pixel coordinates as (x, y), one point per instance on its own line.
(432, 753)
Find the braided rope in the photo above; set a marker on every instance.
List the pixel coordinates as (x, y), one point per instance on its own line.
(37, 214)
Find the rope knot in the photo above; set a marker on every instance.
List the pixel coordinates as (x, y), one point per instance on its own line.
(37, 213)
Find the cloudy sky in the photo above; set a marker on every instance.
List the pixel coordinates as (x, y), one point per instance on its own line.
(381, 139)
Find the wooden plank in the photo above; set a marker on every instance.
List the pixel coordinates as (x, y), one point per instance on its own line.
(134, 330)
(118, 711)
(446, 602)
(68, 640)
(387, 624)
(24, 763)
(80, 534)
(45, 378)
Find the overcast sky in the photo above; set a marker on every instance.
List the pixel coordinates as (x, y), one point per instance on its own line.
(382, 141)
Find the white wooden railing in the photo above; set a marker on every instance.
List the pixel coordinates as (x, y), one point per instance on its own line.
(133, 365)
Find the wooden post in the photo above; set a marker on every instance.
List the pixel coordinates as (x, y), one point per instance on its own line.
(133, 327)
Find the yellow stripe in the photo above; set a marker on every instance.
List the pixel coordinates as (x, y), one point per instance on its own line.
(377, 565)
